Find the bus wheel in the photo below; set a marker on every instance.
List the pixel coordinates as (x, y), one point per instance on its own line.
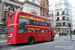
(31, 40)
(52, 39)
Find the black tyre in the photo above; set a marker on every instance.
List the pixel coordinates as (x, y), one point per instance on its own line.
(52, 39)
(31, 40)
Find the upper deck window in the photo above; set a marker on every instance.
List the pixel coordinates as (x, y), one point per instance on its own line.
(12, 15)
(37, 18)
(10, 20)
(23, 15)
(31, 17)
(47, 20)
(43, 20)
(51, 21)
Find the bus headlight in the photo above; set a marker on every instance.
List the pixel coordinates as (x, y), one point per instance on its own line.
(9, 39)
(10, 34)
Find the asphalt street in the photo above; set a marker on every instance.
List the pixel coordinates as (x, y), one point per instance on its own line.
(59, 44)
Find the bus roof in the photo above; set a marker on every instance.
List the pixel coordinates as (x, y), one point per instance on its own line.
(32, 14)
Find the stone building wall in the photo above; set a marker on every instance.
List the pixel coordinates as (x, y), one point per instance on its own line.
(44, 9)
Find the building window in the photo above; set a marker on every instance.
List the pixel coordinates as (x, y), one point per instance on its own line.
(67, 13)
(56, 8)
(58, 24)
(63, 18)
(43, 13)
(33, 1)
(5, 14)
(57, 13)
(59, 2)
(67, 18)
(59, 7)
(63, 23)
(0, 4)
(63, 13)
(57, 18)
(47, 14)
(52, 14)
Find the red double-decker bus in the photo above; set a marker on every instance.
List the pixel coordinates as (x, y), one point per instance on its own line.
(29, 28)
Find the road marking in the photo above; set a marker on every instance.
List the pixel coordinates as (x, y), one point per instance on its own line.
(49, 42)
(20, 48)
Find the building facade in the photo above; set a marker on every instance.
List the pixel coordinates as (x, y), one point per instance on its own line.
(44, 10)
(32, 6)
(73, 19)
(9, 6)
(60, 12)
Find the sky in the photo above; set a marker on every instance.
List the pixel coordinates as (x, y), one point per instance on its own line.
(72, 1)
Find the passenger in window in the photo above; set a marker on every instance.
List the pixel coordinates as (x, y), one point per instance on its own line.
(37, 30)
(48, 31)
(43, 31)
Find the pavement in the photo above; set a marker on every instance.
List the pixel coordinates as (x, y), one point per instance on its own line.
(3, 41)
(60, 38)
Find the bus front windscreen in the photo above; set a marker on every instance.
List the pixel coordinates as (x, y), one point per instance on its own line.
(12, 15)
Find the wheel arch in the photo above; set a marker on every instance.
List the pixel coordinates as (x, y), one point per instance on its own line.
(32, 37)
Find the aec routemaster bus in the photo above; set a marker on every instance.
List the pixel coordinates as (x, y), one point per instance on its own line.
(24, 27)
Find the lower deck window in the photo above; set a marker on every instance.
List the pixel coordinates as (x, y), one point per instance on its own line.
(30, 29)
(48, 31)
(37, 30)
(43, 30)
(11, 29)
